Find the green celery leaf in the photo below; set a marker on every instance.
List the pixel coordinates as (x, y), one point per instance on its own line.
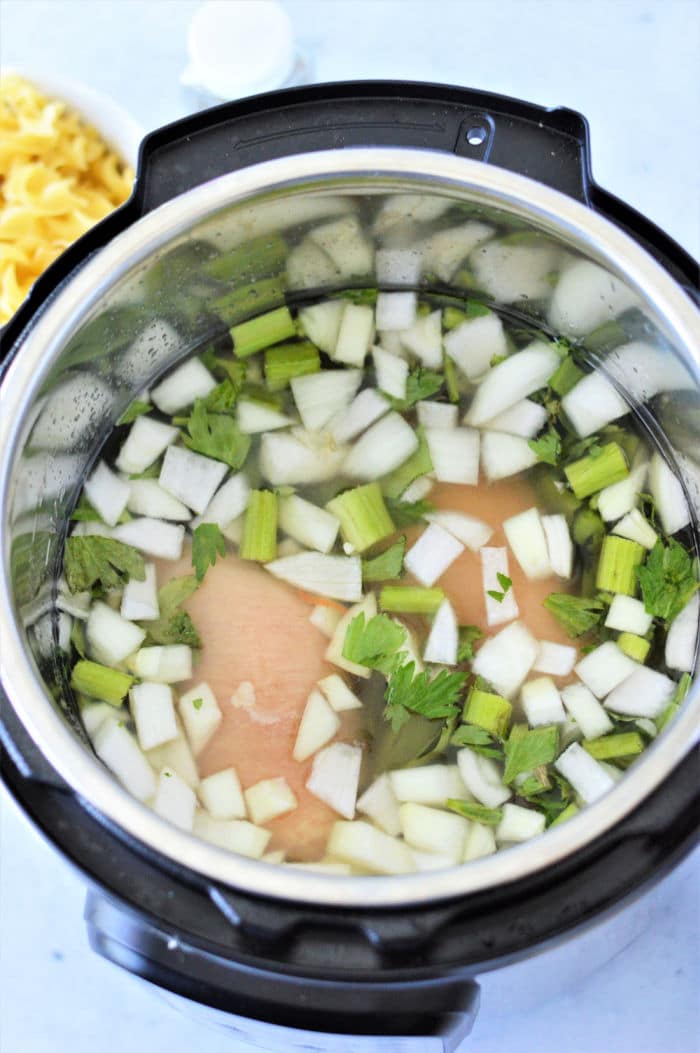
(207, 543)
(420, 384)
(376, 643)
(174, 626)
(216, 435)
(667, 580)
(93, 560)
(468, 636)
(406, 513)
(478, 813)
(134, 410)
(576, 614)
(528, 749)
(84, 512)
(547, 447)
(478, 740)
(388, 565)
(434, 698)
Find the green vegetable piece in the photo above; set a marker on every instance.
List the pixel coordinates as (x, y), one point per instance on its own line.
(223, 398)
(611, 747)
(595, 471)
(419, 463)
(468, 636)
(489, 711)
(606, 337)
(617, 567)
(406, 513)
(101, 682)
(376, 643)
(477, 813)
(134, 410)
(550, 497)
(197, 703)
(477, 740)
(259, 540)
(679, 695)
(569, 812)
(420, 384)
(91, 561)
(387, 565)
(547, 447)
(253, 259)
(635, 646)
(410, 599)
(207, 543)
(576, 614)
(566, 377)
(290, 360)
(216, 435)
(667, 579)
(245, 300)
(173, 625)
(435, 698)
(363, 515)
(451, 379)
(263, 331)
(505, 583)
(84, 512)
(452, 317)
(527, 749)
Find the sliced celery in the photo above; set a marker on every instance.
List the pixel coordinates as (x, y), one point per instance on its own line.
(566, 377)
(363, 516)
(592, 473)
(451, 382)
(419, 463)
(101, 682)
(617, 567)
(610, 747)
(410, 599)
(258, 258)
(488, 711)
(243, 300)
(263, 331)
(290, 360)
(259, 540)
(635, 646)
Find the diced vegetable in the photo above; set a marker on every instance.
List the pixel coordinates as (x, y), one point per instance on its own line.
(325, 619)
(636, 647)
(320, 396)
(180, 388)
(259, 541)
(177, 755)
(319, 723)
(334, 652)
(382, 448)
(425, 861)
(444, 250)
(614, 747)
(481, 841)
(594, 472)
(541, 702)
(255, 417)
(504, 660)
(436, 414)
(380, 804)
(587, 296)
(338, 577)
(592, 404)
(512, 271)
(635, 527)
(200, 715)
(290, 360)
(98, 681)
(410, 599)
(94, 715)
(527, 539)
(228, 503)
(525, 418)
(365, 409)
(167, 664)
(488, 711)
(174, 800)
(511, 381)
(236, 835)
(644, 693)
(392, 373)
(587, 776)
(107, 493)
(586, 711)
(560, 547)
(470, 531)
(681, 641)
(619, 559)
(554, 659)
(499, 598)
(338, 693)
(312, 526)
(110, 637)
(363, 516)
(668, 496)
(620, 498)
(475, 342)
(262, 331)
(222, 796)
(268, 799)
(288, 460)
(519, 824)
(321, 323)
(424, 340)
(604, 668)
(346, 244)
(443, 640)
(334, 778)
(432, 554)
(148, 498)
(396, 310)
(117, 748)
(503, 455)
(628, 615)
(428, 784)
(354, 335)
(152, 536)
(144, 444)
(190, 477)
(454, 453)
(363, 845)
(432, 830)
(154, 714)
(483, 778)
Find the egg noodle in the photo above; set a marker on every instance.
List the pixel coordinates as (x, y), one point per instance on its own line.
(58, 177)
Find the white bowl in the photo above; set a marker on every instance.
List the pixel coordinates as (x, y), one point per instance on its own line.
(116, 126)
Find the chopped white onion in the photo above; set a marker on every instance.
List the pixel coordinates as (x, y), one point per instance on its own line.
(470, 531)
(365, 409)
(268, 799)
(431, 555)
(155, 537)
(527, 539)
(429, 784)
(320, 396)
(180, 388)
(309, 267)
(635, 527)
(503, 455)
(140, 598)
(446, 249)
(483, 778)
(616, 500)
(554, 659)
(519, 824)
(474, 343)
(400, 266)
(144, 444)
(94, 715)
(338, 577)
(586, 710)
(380, 804)
(381, 449)
(668, 496)
(645, 693)
(432, 830)
(418, 489)
(494, 561)
(511, 381)
(176, 754)
(321, 323)
(111, 638)
(628, 615)
(392, 373)
(255, 417)
(511, 272)
(319, 723)
(338, 693)
(455, 454)
(560, 547)
(587, 296)
(363, 845)
(525, 418)
(443, 642)
(200, 715)
(345, 242)
(190, 477)
(162, 664)
(681, 641)
(424, 339)
(396, 310)
(593, 403)
(605, 668)
(481, 841)
(587, 776)
(118, 749)
(235, 835)
(325, 619)
(107, 493)
(222, 796)
(506, 658)
(335, 775)
(148, 498)
(354, 336)
(541, 702)
(227, 504)
(175, 801)
(312, 526)
(288, 460)
(436, 414)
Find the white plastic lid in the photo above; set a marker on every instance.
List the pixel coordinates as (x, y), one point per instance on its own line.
(239, 47)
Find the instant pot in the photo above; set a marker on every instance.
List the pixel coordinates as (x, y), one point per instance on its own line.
(323, 961)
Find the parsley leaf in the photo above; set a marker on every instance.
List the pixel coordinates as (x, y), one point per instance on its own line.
(527, 749)
(505, 583)
(136, 409)
(547, 447)
(207, 543)
(420, 384)
(576, 614)
(406, 513)
(476, 812)
(376, 643)
(387, 565)
(174, 626)
(216, 435)
(434, 698)
(91, 560)
(223, 398)
(468, 636)
(84, 512)
(478, 740)
(667, 580)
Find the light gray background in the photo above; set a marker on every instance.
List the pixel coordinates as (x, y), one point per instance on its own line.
(631, 68)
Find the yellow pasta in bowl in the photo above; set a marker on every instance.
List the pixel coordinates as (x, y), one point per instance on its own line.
(58, 177)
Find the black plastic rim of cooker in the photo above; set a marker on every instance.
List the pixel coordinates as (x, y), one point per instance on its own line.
(329, 969)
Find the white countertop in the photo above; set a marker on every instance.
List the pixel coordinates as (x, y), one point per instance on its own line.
(629, 66)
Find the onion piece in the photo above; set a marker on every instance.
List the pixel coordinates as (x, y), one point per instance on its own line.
(174, 800)
(363, 845)
(513, 272)
(587, 296)
(494, 561)
(319, 723)
(525, 418)
(107, 493)
(560, 547)
(593, 403)
(443, 642)
(325, 619)
(256, 417)
(668, 496)
(645, 693)
(355, 335)
(268, 799)
(519, 824)
(319, 396)
(620, 498)
(541, 702)
(338, 693)
(396, 310)
(380, 804)
(431, 555)
(152, 536)
(180, 388)
(506, 658)
(446, 249)
(455, 454)
(424, 339)
(511, 381)
(586, 710)
(289, 460)
(483, 778)
(528, 541)
(321, 323)
(162, 664)
(436, 414)
(190, 477)
(222, 796)
(140, 598)
(309, 267)
(345, 242)
(503, 455)
(481, 841)
(398, 266)
(635, 527)
(432, 830)
(227, 504)
(365, 409)
(235, 835)
(554, 659)
(381, 449)
(176, 754)
(587, 776)
(475, 342)
(144, 444)
(392, 373)
(335, 775)
(338, 577)
(312, 526)
(430, 784)
(472, 532)
(628, 615)
(110, 637)
(148, 498)
(681, 641)
(200, 715)
(604, 668)
(418, 489)
(117, 748)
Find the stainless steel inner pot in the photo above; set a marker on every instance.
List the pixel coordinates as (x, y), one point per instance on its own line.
(115, 325)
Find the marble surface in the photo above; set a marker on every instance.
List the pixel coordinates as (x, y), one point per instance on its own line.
(629, 66)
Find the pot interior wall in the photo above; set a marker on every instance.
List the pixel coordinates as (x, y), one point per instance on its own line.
(300, 245)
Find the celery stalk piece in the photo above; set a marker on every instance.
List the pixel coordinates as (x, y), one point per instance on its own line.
(566, 377)
(253, 259)
(489, 711)
(635, 646)
(243, 300)
(610, 747)
(363, 516)
(451, 381)
(263, 331)
(410, 599)
(617, 567)
(290, 360)
(592, 473)
(259, 541)
(101, 682)
(419, 463)
(569, 812)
